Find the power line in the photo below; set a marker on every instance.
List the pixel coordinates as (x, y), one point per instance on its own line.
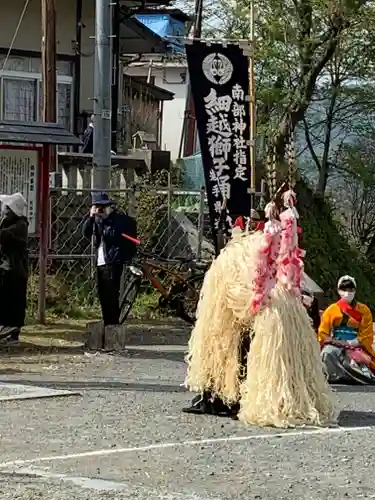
(15, 36)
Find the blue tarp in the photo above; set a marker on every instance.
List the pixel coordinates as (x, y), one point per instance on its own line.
(165, 26)
(193, 174)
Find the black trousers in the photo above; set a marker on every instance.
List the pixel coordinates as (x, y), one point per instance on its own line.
(13, 297)
(109, 286)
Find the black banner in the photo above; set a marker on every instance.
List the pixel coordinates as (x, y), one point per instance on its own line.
(219, 79)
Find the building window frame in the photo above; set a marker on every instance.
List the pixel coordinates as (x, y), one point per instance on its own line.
(37, 79)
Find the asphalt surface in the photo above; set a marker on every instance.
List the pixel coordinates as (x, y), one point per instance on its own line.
(126, 438)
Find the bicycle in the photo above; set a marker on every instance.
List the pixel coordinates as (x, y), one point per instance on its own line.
(181, 296)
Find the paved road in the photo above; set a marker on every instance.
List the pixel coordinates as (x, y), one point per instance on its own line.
(126, 437)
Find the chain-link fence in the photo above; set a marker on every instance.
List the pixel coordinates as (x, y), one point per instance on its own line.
(171, 223)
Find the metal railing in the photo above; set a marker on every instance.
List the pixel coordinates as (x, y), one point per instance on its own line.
(171, 222)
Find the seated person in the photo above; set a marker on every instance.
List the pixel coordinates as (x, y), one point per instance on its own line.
(311, 304)
(346, 337)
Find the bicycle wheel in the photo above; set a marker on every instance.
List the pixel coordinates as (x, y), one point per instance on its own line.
(130, 294)
(184, 298)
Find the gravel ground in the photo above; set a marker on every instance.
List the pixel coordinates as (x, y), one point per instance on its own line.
(138, 443)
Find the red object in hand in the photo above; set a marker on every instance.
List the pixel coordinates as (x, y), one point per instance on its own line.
(358, 355)
(130, 238)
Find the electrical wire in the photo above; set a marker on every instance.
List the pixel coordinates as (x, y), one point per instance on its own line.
(15, 36)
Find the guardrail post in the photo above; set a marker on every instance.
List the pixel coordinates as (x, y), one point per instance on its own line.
(130, 187)
(169, 214)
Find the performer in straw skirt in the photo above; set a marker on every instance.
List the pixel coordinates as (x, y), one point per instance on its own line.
(255, 285)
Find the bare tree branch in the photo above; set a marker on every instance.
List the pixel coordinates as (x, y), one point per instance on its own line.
(310, 145)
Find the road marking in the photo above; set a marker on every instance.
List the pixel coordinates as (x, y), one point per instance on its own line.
(198, 442)
(14, 392)
(83, 482)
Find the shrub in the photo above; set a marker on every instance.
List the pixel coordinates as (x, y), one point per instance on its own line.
(329, 255)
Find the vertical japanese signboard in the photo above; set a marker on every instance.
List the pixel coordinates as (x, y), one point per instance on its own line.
(219, 81)
(19, 174)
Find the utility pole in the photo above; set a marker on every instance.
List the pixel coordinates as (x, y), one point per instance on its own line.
(115, 70)
(102, 95)
(190, 129)
(252, 109)
(49, 60)
(48, 46)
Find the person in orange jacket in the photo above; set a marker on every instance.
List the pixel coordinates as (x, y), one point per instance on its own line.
(346, 337)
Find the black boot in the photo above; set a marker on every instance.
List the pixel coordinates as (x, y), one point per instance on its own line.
(203, 403)
(198, 405)
(9, 335)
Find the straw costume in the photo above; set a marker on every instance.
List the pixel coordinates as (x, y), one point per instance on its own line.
(254, 286)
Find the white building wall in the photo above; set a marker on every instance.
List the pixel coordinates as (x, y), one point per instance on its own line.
(29, 38)
(168, 78)
(29, 35)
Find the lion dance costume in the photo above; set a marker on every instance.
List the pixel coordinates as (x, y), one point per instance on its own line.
(253, 288)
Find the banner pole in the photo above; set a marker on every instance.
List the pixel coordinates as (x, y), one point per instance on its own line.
(252, 107)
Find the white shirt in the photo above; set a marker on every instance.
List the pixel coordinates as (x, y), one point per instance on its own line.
(101, 258)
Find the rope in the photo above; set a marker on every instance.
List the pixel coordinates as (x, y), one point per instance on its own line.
(274, 170)
(14, 36)
(290, 153)
(271, 171)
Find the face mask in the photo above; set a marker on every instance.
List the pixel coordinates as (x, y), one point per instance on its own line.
(307, 300)
(347, 296)
(107, 210)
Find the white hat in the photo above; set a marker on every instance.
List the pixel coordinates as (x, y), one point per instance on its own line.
(16, 202)
(346, 278)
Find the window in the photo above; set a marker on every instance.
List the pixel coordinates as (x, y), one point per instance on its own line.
(22, 95)
(19, 99)
(64, 104)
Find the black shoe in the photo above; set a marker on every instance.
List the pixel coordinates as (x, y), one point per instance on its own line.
(203, 403)
(9, 332)
(15, 336)
(198, 406)
(10, 341)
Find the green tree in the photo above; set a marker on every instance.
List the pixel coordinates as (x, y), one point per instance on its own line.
(342, 105)
(295, 41)
(355, 191)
